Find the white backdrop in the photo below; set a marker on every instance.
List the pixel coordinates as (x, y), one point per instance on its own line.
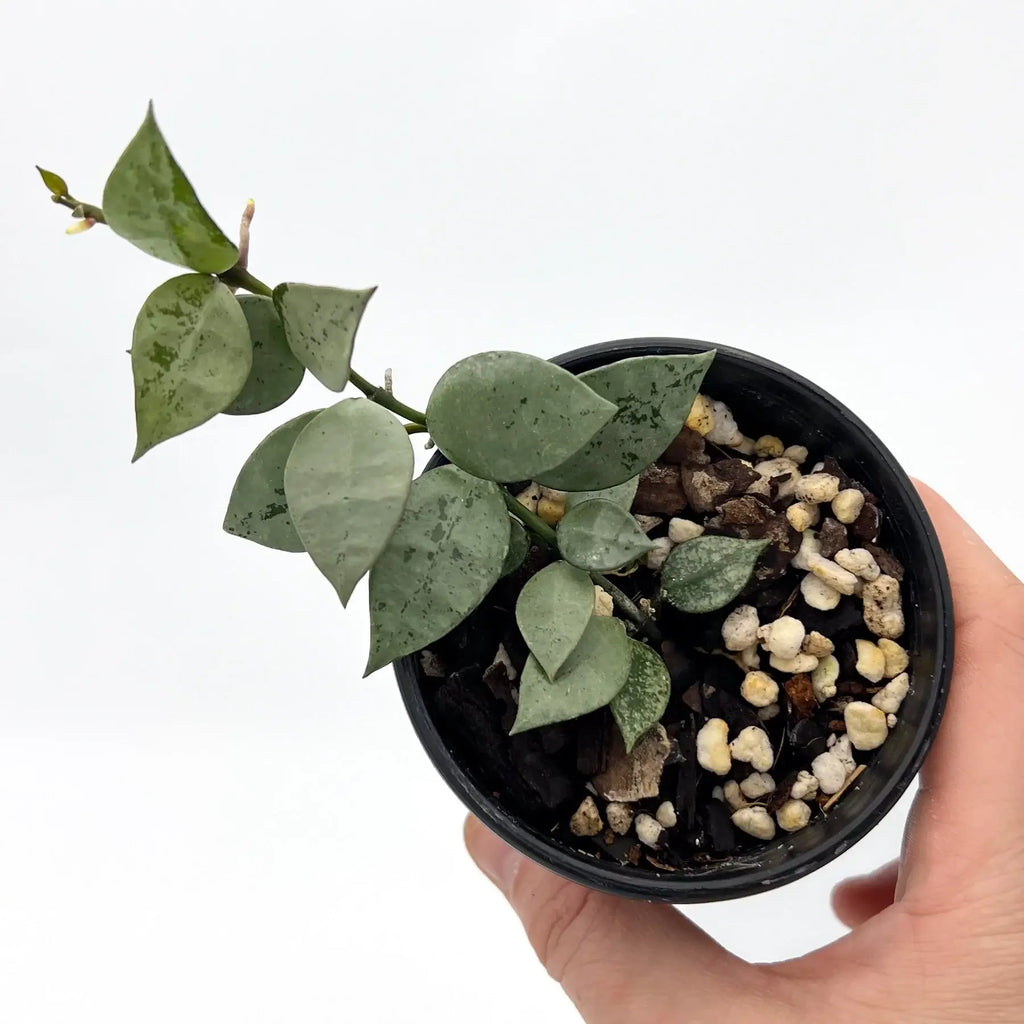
(205, 813)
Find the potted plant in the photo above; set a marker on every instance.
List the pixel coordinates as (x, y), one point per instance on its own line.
(646, 640)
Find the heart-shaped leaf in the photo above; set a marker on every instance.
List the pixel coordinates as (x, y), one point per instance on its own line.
(553, 611)
(439, 565)
(149, 201)
(509, 416)
(258, 508)
(599, 536)
(621, 495)
(654, 395)
(518, 547)
(347, 480)
(54, 182)
(706, 573)
(642, 701)
(191, 356)
(276, 374)
(591, 677)
(320, 324)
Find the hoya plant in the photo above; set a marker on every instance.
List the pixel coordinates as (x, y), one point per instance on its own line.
(336, 482)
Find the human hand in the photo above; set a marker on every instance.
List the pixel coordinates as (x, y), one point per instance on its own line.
(937, 937)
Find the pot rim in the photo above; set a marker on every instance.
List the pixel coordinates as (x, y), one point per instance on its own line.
(679, 887)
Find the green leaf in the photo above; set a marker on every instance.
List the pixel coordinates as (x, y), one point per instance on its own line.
(347, 481)
(599, 536)
(518, 547)
(440, 564)
(54, 182)
(148, 200)
(258, 507)
(706, 573)
(320, 324)
(553, 611)
(654, 395)
(621, 495)
(591, 677)
(191, 356)
(642, 701)
(509, 416)
(276, 374)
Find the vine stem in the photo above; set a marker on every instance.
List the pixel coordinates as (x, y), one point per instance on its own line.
(545, 533)
(383, 397)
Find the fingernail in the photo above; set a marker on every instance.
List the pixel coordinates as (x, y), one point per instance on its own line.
(494, 857)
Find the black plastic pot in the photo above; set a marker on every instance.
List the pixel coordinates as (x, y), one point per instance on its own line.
(766, 398)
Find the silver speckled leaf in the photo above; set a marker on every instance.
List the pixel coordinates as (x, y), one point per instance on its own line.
(621, 494)
(642, 701)
(191, 356)
(439, 565)
(591, 677)
(654, 395)
(599, 536)
(552, 613)
(258, 508)
(706, 573)
(320, 324)
(509, 416)
(347, 480)
(518, 547)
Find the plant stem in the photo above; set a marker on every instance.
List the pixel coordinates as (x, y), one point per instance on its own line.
(381, 397)
(239, 277)
(545, 533)
(415, 428)
(88, 210)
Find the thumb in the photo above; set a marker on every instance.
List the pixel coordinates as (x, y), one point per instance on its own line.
(620, 960)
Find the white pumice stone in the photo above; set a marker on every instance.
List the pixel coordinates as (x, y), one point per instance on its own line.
(805, 787)
(745, 446)
(648, 830)
(603, 603)
(797, 452)
(587, 819)
(793, 815)
(818, 487)
(551, 511)
(817, 467)
(766, 714)
(819, 595)
(755, 821)
(783, 637)
(824, 678)
(897, 660)
(754, 747)
(833, 575)
(749, 658)
(718, 793)
(883, 608)
(733, 795)
(810, 548)
(682, 530)
(758, 688)
(891, 696)
(781, 467)
(502, 658)
(829, 772)
(657, 555)
(891, 720)
(843, 749)
(666, 815)
(847, 505)
(553, 494)
(794, 666)
(647, 523)
(802, 515)
(757, 785)
(739, 631)
(768, 446)
(713, 754)
(701, 418)
(817, 645)
(865, 725)
(870, 661)
(620, 817)
(725, 430)
(859, 561)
